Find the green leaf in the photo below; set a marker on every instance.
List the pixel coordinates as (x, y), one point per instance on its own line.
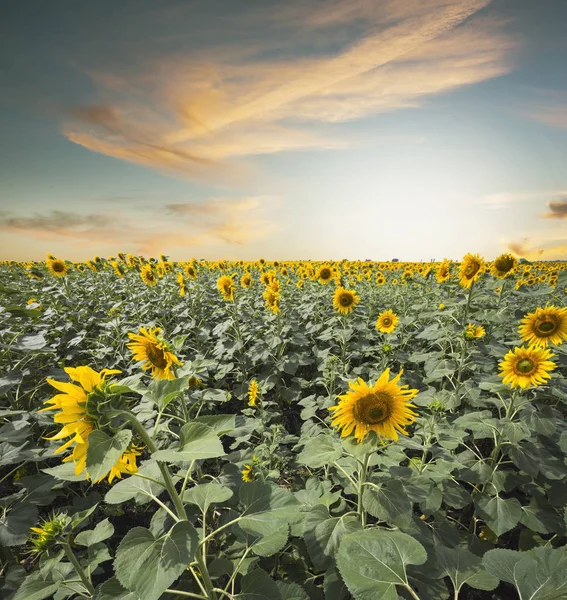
(258, 585)
(220, 424)
(373, 562)
(133, 383)
(137, 487)
(148, 566)
(163, 391)
(266, 508)
(500, 514)
(462, 566)
(31, 342)
(323, 533)
(15, 524)
(101, 532)
(388, 502)
(320, 451)
(79, 517)
(35, 588)
(539, 574)
(112, 590)
(197, 442)
(104, 451)
(205, 494)
(291, 591)
(333, 585)
(268, 545)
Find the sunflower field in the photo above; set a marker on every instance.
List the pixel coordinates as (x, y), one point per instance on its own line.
(283, 430)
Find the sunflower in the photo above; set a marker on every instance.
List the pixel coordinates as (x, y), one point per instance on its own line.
(324, 274)
(474, 332)
(545, 326)
(383, 408)
(253, 391)
(525, 367)
(225, 285)
(471, 268)
(441, 306)
(181, 283)
(246, 280)
(387, 321)
(345, 300)
(443, 271)
(147, 274)
(57, 267)
(79, 407)
(247, 473)
(150, 347)
(503, 265)
(272, 299)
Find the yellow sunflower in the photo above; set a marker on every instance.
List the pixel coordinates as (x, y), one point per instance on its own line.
(443, 271)
(247, 473)
(474, 332)
(225, 285)
(190, 271)
(253, 391)
(503, 265)
(57, 267)
(471, 268)
(272, 299)
(545, 326)
(77, 404)
(324, 274)
(246, 280)
(384, 408)
(387, 321)
(181, 283)
(345, 300)
(150, 347)
(525, 367)
(147, 274)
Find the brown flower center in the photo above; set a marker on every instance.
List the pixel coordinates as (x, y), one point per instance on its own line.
(325, 274)
(374, 408)
(156, 356)
(547, 327)
(346, 300)
(504, 264)
(386, 321)
(471, 269)
(58, 267)
(526, 366)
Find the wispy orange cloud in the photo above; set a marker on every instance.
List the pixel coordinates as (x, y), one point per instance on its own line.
(537, 249)
(199, 115)
(558, 210)
(550, 109)
(217, 222)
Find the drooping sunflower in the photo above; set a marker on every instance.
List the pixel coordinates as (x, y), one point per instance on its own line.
(225, 285)
(470, 270)
(148, 276)
(504, 265)
(150, 347)
(384, 408)
(57, 267)
(545, 326)
(253, 391)
(526, 367)
(387, 321)
(324, 274)
(78, 406)
(345, 300)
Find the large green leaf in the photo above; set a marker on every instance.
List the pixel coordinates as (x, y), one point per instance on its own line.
(258, 585)
(388, 502)
(101, 532)
(36, 588)
(539, 574)
(372, 563)
(148, 566)
(104, 451)
(291, 591)
(205, 494)
(141, 486)
(197, 441)
(462, 566)
(323, 533)
(163, 391)
(500, 514)
(320, 451)
(15, 524)
(112, 590)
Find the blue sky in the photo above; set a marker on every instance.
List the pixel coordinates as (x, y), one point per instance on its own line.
(315, 129)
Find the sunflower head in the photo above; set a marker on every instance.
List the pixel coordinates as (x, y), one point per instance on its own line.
(325, 274)
(253, 391)
(527, 367)
(384, 408)
(147, 274)
(225, 286)
(57, 267)
(387, 321)
(45, 535)
(471, 269)
(150, 347)
(474, 332)
(344, 301)
(504, 265)
(246, 280)
(544, 327)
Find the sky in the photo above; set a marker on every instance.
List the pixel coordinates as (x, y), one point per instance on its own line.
(304, 129)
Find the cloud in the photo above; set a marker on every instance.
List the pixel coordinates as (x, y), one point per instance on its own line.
(550, 109)
(218, 221)
(503, 199)
(558, 209)
(538, 249)
(200, 114)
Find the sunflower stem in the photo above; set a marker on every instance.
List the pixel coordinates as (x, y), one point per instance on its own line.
(361, 481)
(77, 565)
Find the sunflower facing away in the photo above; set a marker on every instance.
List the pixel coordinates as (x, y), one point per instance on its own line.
(471, 268)
(526, 367)
(345, 300)
(503, 265)
(150, 347)
(225, 286)
(77, 404)
(384, 408)
(545, 326)
(253, 391)
(387, 321)
(57, 267)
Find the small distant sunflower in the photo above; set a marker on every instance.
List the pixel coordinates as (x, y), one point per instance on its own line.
(57, 267)
(190, 271)
(441, 306)
(246, 280)
(525, 367)
(272, 299)
(181, 283)
(387, 321)
(247, 473)
(148, 276)
(503, 265)
(545, 326)
(443, 271)
(324, 274)
(384, 408)
(299, 284)
(150, 347)
(471, 268)
(225, 285)
(474, 332)
(253, 391)
(345, 300)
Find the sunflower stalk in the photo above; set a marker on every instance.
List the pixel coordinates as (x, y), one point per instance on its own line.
(362, 473)
(78, 568)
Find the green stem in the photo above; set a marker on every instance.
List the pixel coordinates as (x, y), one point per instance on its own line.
(361, 481)
(80, 571)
